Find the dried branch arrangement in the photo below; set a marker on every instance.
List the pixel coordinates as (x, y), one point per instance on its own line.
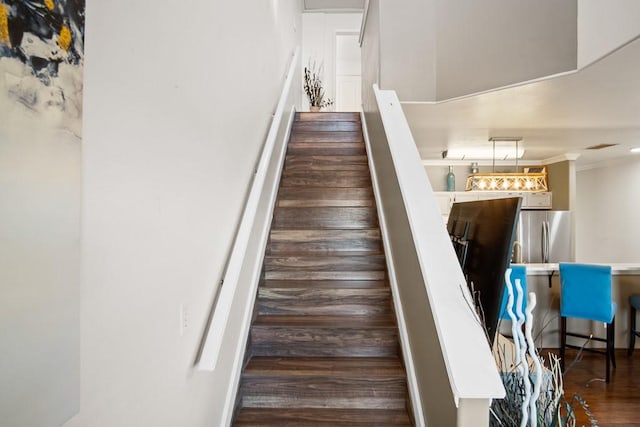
(313, 87)
(534, 393)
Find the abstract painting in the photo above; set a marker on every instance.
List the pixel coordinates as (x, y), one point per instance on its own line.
(41, 61)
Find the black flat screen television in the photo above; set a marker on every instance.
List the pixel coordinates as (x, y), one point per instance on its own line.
(482, 233)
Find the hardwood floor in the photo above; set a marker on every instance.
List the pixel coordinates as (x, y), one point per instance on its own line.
(324, 346)
(613, 404)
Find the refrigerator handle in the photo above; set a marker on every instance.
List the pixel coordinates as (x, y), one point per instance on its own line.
(542, 238)
(546, 241)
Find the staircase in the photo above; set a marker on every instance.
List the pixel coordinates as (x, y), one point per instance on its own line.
(323, 347)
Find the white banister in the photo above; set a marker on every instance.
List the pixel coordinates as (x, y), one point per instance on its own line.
(212, 342)
(470, 366)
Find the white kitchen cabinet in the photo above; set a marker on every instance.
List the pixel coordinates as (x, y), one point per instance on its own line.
(529, 200)
(466, 196)
(447, 198)
(538, 201)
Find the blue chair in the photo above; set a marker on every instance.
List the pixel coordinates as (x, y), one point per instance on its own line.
(517, 272)
(585, 293)
(634, 305)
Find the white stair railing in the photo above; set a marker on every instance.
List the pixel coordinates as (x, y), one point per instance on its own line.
(265, 184)
(471, 371)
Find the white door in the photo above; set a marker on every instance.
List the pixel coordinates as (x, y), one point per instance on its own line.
(348, 74)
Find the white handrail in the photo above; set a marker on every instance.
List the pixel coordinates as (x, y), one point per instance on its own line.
(470, 365)
(414, 389)
(215, 332)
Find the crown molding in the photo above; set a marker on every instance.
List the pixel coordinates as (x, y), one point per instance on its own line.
(619, 161)
(489, 162)
(561, 158)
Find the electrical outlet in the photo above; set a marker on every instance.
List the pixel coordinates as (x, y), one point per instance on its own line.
(184, 318)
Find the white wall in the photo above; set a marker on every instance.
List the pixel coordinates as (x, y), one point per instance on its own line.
(433, 50)
(603, 26)
(177, 105)
(39, 273)
(370, 54)
(493, 43)
(319, 44)
(408, 48)
(40, 181)
(607, 227)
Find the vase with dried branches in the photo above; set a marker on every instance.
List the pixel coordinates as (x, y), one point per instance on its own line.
(313, 88)
(534, 393)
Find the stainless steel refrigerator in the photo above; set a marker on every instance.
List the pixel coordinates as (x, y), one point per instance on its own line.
(543, 236)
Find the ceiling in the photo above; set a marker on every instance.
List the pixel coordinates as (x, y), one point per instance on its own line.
(599, 104)
(332, 5)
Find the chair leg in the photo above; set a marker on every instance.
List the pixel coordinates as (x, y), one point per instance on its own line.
(612, 326)
(563, 340)
(632, 330)
(611, 358)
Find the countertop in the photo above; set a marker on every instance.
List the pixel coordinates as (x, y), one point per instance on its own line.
(617, 269)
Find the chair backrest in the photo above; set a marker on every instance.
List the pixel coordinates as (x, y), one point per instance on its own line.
(518, 272)
(585, 292)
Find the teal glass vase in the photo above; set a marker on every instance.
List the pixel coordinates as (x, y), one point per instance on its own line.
(451, 180)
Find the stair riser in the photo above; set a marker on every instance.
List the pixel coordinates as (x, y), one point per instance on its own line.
(325, 248)
(309, 301)
(324, 284)
(324, 263)
(324, 236)
(318, 197)
(324, 308)
(335, 180)
(249, 401)
(327, 149)
(320, 417)
(326, 137)
(310, 341)
(311, 242)
(325, 275)
(329, 117)
(333, 127)
(305, 163)
(315, 218)
(318, 392)
(326, 202)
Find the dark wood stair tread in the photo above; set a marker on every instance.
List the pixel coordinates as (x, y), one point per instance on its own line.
(325, 275)
(304, 293)
(326, 197)
(324, 345)
(328, 148)
(370, 262)
(331, 284)
(339, 146)
(305, 162)
(321, 417)
(324, 336)
(323, 301)
(326, 126)
(325, 175)
(326, 366)
(325, 217)
(321, 136)
(325, 116)
(325, 241)
(313, 179)
(337, 322)
(322, 392)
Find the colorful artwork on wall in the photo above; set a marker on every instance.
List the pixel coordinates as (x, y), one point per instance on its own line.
(41, 61)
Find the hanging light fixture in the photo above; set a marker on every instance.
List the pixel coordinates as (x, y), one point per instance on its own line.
(533, 179)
